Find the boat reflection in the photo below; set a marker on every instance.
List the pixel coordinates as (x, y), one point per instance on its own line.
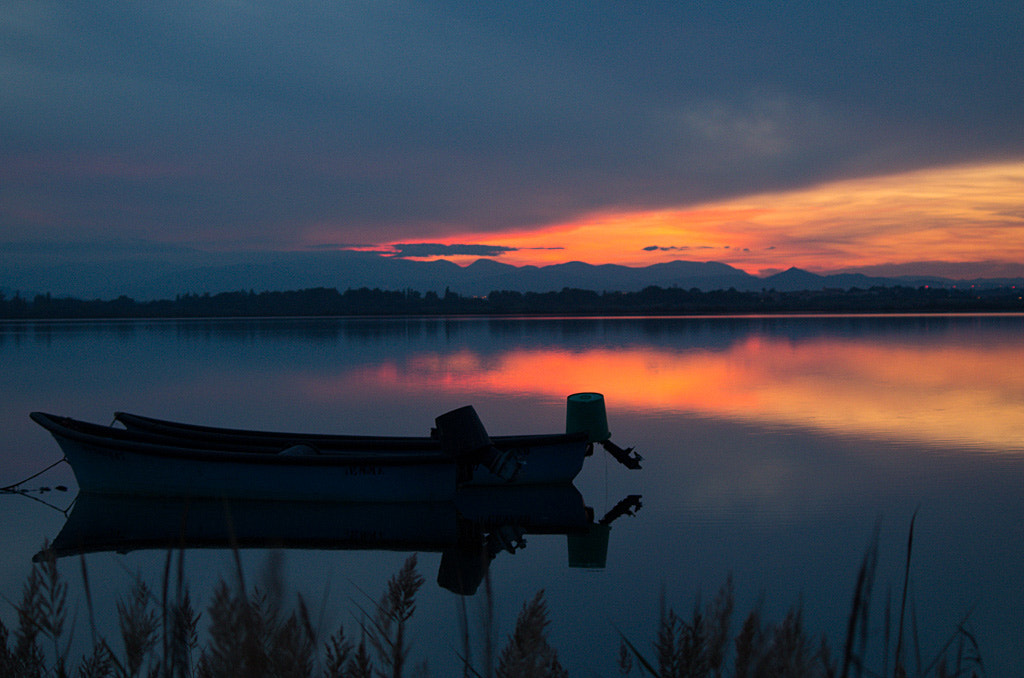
(469, 532)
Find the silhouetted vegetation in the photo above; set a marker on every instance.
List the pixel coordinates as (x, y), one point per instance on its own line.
(257, 632)
(323, 301)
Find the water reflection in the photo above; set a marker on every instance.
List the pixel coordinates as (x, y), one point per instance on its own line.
(875, 386)
(469, 532)
(772, 445)
(926, 379)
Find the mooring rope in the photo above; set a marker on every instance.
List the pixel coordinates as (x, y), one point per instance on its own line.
(12, 488)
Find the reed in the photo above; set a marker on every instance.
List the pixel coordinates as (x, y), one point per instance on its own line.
(699, 646)
(257, 631)
(386, 628)
(528, 653)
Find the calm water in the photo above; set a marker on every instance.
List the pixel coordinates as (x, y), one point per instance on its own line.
(773, 448)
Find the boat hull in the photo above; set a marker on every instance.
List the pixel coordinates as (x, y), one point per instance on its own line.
(110, 460)
(122, 464)
(546, 458)
(548, 463)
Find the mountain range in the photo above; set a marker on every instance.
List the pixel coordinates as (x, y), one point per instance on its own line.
(166, 275)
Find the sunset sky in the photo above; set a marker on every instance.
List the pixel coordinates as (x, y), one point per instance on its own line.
(877, 136)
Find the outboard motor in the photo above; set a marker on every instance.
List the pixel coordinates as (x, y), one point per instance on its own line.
(585, 413)
(463, 436)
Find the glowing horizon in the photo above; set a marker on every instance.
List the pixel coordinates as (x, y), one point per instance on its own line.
(964, 213)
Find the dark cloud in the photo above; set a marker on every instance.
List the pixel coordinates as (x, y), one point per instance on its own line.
(428, 249)
(255, 123)
(357, 247)
(679, 248)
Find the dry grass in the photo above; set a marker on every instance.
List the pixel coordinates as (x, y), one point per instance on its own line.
(528, 653)
(256, 632)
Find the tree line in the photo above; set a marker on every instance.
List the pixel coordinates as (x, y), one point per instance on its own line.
(322, 301)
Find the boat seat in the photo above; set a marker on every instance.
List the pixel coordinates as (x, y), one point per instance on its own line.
(299, 451)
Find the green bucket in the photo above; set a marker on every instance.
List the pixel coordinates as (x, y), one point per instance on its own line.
(589, 549)
(585, 413)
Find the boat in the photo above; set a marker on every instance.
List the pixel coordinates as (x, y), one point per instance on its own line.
(536, 458)
(470, 531)
(585, 414)
(109, 460)
(164, 458)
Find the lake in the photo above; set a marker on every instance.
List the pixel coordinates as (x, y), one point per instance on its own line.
(776, 451)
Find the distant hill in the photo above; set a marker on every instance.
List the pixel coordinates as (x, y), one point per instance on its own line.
(165, 274)
(798, 280)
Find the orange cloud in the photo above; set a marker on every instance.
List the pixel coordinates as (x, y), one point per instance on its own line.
(963, 213)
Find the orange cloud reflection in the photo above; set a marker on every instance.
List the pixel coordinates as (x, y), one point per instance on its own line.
(961, 395)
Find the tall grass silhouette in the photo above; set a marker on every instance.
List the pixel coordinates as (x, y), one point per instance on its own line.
(261, 631)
